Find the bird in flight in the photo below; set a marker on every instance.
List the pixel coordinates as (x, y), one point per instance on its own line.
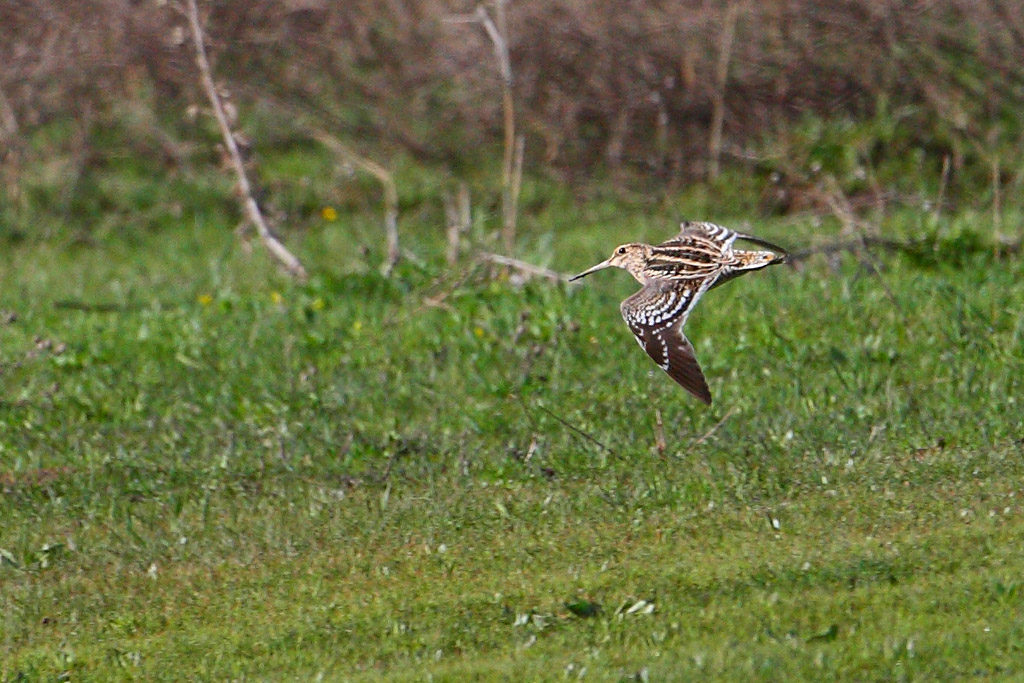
(675, 274)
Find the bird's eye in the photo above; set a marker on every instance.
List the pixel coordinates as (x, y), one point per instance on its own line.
(622, 250)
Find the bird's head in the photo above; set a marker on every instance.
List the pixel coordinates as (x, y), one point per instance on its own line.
(628, 256)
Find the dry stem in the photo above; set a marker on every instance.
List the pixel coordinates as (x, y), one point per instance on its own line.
(523, 266)
(659, 433)
(459, 216)
(943, 181)
(565, 423)
(252, 209)
(854, 245)
(510, 208)
(997, 213)
(512, 158)
(842, 210)
(710, 432)
(386, 180)
(721, 79)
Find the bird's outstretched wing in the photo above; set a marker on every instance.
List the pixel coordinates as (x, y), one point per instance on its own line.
(689, 230)
(702, 232)
(700, 251)
(656, 315)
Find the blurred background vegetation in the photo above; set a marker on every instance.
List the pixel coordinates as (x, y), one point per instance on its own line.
(102, 116)
(209, 472)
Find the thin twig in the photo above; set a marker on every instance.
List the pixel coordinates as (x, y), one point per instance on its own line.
(454, 229)
(438, 300)
(497, 37)
(385, 478)
(459, 215)
(386, 180)
(873, 264)
(912, 247)
(857, 244)
(943, 180)
(997, 214)
(841, 208)
(510, 209)
(465, 207)
(523, 266)
(721, 79)
(252, 209)
(714, 429)
(659, 432)
(576, 429)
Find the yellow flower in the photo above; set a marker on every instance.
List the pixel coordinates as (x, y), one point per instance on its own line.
(478, 331)
(276, 297)
(317, 304)
(329, 213)
(204, 299)
(357, 325)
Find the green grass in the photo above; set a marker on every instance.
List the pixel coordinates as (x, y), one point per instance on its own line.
(209, 473)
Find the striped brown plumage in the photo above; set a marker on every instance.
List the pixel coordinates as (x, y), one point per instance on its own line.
(675, 274)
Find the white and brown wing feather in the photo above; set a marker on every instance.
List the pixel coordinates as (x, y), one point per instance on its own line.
(674, 275)
(705, 250)
(656, 315)
(721, 236)
(699, 251)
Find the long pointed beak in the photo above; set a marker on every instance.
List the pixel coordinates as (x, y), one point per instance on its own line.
(782, 253)
(600, 266)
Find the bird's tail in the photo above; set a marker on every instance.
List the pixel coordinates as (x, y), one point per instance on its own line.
(755, 260)
(747, 261)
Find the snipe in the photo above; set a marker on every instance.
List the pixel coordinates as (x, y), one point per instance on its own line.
(675, 274)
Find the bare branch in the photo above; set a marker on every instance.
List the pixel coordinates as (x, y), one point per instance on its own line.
(841, 208)
(459, 216)
(462, 19)
(386, 180)
(565, 423)
(524, 267)
(498, 40)
(865, 242)
(856, 245)
(252, 209)
(714, 429)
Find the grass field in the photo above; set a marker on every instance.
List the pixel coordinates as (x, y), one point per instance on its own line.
(209, 473)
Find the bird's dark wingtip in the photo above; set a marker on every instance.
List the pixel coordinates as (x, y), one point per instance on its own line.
(783, 253)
